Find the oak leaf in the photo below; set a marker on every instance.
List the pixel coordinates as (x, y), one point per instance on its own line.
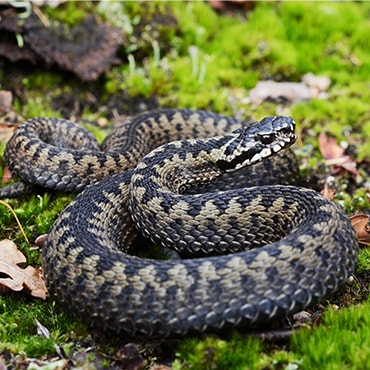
(16, 278)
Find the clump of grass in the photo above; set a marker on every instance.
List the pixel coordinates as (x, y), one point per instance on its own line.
(338, 342)
(334, 344)
(18, 329)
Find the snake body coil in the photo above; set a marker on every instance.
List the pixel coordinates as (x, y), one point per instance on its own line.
(292, 246)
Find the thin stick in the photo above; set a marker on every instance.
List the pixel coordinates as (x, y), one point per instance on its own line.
(16, 218)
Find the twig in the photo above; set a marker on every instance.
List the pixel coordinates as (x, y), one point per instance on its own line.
(17, 219)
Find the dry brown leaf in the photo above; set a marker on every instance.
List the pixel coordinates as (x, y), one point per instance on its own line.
(328, 192)
(2, 364)
(6, 131)
(40, 240)
(335, 155)
(7, 175)
(6, 99)
(361, 224)
(345, 162)
(18, 278)
(329, 148)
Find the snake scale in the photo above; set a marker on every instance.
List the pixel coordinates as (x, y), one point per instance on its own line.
(187, 180)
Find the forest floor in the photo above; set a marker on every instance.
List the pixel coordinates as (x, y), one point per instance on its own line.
(98, 62)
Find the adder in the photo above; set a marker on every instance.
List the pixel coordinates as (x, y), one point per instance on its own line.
(192, 181)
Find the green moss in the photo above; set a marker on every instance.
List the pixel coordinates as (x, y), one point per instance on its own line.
(358, 201)
(18, 329)
(335, 344)
(35, 107)
(70, 12)
(214, 353)
(198, 24)
(363, 265)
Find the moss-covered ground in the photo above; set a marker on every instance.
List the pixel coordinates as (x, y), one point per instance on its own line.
(186, 55)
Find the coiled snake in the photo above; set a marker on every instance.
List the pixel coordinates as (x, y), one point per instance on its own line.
(292, 246)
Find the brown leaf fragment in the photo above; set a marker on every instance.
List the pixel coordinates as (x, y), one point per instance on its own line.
(279, 92)
(328, 192)
(2, 364)
(42, 331)
(88, 50)
(229, 6)
(320, 83)
(6, 131)
(329, 148)
(3, 289)
(40, 240)
(6, 98)
(335, 155)
(16, 278)
(7, 176)
(361, 224)
(130, 358)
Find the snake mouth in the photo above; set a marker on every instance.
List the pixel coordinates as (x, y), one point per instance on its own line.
(247, 158)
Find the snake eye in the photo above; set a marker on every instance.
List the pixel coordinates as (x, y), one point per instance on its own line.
(286, 130)
(266, 138)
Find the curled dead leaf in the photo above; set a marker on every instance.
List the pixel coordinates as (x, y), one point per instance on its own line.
(335, 155)
(361, 224)
(17, 278)
(329, 147)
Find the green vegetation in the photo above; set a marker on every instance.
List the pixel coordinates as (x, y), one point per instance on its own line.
(18, 331)
(184, 54)
(334, 344)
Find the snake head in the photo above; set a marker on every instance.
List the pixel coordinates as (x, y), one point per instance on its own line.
(256, 142)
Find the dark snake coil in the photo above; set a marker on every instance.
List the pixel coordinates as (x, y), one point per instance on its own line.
(292, 246)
